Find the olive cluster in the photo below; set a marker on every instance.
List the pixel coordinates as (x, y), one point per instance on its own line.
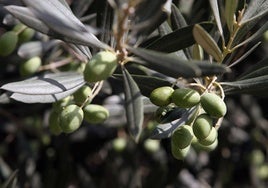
(10, 39)
(200, 130)
(68, 114)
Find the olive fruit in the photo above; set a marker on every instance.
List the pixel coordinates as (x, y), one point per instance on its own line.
(210, 138)
(178, 153)
(30, 66)
(54, 123)
(119, 144)
(100, 67)
(71, 118)
(8, 43)
(151, 145)
(202, 126)
(208, 148)
(95, 113)
(213, 105)
(161, 96)
(82, 94)
(24, 33)
(185, 97)
(182, 137)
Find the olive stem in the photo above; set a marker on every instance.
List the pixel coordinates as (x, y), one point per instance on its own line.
(96, 89)
(218, 123)
(54, 65)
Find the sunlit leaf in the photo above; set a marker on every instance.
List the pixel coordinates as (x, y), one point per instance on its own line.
(51, 83)
(61, 20)
(215, 9)
(229, 12)
(206, 41)
(165, 130)
(134, 105)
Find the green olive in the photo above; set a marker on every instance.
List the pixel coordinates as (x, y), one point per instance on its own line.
(82, 94)
(8, 43)
(208, 148)
(54, 123)
(182, 136)
(100, 67)
(71, 118)
(185, 97)
(178, 153)
(161, 96)
(30, 66)
(202, 126)
(213, 105)
(95, 113)
(210, 138)
(151, 145)
(25, 33)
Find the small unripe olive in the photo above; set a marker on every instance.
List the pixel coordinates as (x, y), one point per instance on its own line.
(182, 137)
(208, 148)
(100, 67)
(119, 144)
(178, 153)
(82, 94)
(71, 118)
(185, 97)
(54, 123)
(161, 114)
(8, 43)
(202, 126)
(95, 113)
(210, 138)
(30, 66)
(161, 96)
(213, 105)
(151, 145)
(25, 33)
(58, 106)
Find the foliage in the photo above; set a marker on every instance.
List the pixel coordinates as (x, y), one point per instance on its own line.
(156, 44)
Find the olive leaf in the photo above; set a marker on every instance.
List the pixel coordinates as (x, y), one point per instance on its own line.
(177, 40)
(215, 9)
(256, 9)
(134, 105)
(165, 130)
(207, 42)
(62, 21)
(256, 86)
(176, 17)
(172, 66)
(229, 12)
(45, 88)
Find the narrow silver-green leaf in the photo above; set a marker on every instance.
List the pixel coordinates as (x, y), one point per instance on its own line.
(177, 19)
(229, 11)
(177, 40)
(256, 9)
(61, 20)
(44, 98)
(134, 105)
(256, 86)
(172, 66)
(215, 9)
(203, 38)
(165, 130)
(256, 35)
(51, 83)
(258, 69)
